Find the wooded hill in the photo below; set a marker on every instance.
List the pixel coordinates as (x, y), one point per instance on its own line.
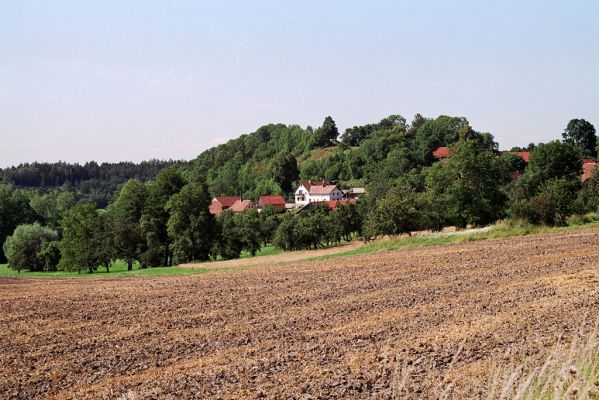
(274, 157)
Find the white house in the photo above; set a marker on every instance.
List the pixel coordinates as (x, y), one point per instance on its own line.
(310, 192)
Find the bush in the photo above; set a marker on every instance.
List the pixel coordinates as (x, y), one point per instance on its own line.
(394, 214)
(31, 247)
(554, 202)
(152, 257)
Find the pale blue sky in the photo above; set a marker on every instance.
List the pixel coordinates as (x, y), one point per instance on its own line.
(132, 80)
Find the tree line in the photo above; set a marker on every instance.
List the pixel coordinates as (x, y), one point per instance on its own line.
(91, 181)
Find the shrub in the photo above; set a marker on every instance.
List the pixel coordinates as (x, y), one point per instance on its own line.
(152, 257)
(31, 247)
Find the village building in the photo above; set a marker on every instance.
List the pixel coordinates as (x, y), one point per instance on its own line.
(310, 192)
(354, 193)
(277, 202)
(243, 205)
(221, 203)
(331, 204)
(525, 155)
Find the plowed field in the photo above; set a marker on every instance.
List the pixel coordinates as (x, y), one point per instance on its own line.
(399, 324)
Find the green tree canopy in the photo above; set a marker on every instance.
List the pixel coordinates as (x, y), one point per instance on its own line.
(155, 216)
(26, 248)
(468, 184)
(191, 227)
(14, 211)
(555, 160)
(83, 243)
(124, 215)
(52, 206)
(582, 134)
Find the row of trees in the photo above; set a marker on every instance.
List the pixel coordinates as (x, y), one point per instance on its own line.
(155, 223)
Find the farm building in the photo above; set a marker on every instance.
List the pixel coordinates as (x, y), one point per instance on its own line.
(243, 205)
(525, 155)
(221, 203)
(331, 204)
(277, 202)
(317, 191)
(354, 193)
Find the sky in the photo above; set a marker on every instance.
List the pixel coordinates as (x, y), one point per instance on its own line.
(133, 80)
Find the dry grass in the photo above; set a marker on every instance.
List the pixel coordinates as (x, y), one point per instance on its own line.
(569, 372)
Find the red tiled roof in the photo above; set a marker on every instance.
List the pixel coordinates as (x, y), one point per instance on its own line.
(334, 203)
(226, 201)
(525, 155)
(272, 200)
(588, 169)
(242, 205)
(442, 152)
(319, 187)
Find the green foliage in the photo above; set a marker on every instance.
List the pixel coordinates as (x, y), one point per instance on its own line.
(152, 258)
(191, 227)
(354, 136)
(308, 229)
(326, 134)
(581, 133)
(123, 216)
(51, 207)
(248, 229)
(399, 211)
(247, 160)
(154, 217)
(589, 195)
(555, 160)
(434, 133)
(229, 244)
(349, 220)
(554, 201)
(284, 171)
(14, 211)
(84, 244)
(238, 232)
(91, 182)
(467, 185)
(31, 247)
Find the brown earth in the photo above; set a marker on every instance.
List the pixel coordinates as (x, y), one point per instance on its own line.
(403, 324)
(285, 257)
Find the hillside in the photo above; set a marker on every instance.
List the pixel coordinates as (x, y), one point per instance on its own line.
(274, 157)
(413, 324)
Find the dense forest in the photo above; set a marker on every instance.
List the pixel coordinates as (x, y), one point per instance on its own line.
(156, 213)
(89, 182)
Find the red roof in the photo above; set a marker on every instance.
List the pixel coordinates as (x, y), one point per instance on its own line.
(319, 187)
(242, 205)
(226, 201)
(525, 155)
(272, 200)
(588, 169)
(334, 203)
(442, 152)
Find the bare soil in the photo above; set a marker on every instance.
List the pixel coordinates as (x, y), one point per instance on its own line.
(402, 324)
(286, 257)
